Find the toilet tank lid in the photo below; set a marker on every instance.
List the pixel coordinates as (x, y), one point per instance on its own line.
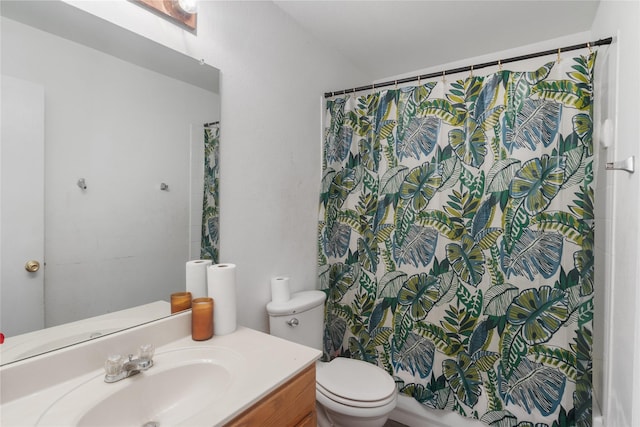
(299, 302)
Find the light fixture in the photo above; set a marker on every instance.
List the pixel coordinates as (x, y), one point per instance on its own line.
(182, 12)
(188, 6)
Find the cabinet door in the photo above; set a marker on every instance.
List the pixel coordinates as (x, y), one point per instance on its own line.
(308, 421)
(292, 404)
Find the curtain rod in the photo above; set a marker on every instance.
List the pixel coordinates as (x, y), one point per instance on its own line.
(211, 124)
(600, 42)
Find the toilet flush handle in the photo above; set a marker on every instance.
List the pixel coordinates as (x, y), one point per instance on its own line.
(293, 322)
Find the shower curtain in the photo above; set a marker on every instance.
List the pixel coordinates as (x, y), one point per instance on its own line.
(456, 240)
(210, 208)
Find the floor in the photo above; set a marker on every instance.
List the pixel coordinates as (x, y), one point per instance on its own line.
(392, 423)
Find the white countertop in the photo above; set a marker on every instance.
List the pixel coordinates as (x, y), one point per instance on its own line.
(271, 363)
(29, 387)
(41, 341)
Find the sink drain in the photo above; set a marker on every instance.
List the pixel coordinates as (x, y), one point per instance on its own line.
(151, 424)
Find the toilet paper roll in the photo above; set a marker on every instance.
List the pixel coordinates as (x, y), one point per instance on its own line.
(196, 277)
(221, 286)
(280, 291)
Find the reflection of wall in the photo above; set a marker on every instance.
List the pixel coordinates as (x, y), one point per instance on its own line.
(273, 75)
(125, 130)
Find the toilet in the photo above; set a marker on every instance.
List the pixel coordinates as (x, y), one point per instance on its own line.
(349, 392)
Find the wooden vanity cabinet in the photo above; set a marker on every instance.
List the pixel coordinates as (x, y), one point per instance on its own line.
(293, 404)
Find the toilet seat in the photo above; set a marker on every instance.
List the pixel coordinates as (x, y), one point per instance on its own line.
(357, 411)
(353, 403)
(354, 383)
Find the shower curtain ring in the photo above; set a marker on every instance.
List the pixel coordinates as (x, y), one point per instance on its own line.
(444, 81)
(558, 60)
(471, 72)
(499, 65)
(589, 47)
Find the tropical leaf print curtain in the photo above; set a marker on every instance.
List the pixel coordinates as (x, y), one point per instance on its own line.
(210, 208)
(456, 240)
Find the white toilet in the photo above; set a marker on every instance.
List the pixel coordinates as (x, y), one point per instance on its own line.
(349, 392)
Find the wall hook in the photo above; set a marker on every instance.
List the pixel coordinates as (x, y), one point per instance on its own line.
(82, 184)
(164, 187)
(624, 165)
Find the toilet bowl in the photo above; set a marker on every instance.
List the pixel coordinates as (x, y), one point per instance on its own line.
(349, 392)
(353, 393)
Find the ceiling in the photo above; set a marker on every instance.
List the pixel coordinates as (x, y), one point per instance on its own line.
(392, 37)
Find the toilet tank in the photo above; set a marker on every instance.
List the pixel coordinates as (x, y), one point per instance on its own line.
(300, 319)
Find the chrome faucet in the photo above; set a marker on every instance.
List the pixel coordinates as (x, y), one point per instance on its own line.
(117, 368)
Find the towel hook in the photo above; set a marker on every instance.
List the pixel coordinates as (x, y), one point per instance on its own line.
(627, 165)
(82, 184)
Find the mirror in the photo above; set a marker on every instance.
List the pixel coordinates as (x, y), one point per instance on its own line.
(124, 116)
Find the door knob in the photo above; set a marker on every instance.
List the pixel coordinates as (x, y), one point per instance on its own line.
(32, 266)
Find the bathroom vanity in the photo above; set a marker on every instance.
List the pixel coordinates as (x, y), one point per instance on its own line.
(241, 379)
(292, 404)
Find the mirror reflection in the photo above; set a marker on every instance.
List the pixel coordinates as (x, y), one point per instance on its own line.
(102, 174)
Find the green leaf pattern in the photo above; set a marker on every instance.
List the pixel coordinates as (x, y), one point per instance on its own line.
(210, 240)
(456, 241)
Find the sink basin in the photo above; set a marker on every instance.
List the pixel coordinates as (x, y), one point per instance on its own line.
(181, 383)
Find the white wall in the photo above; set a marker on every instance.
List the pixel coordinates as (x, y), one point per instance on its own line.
(622, 274)
(273, 75)
(605, 110)
(122, 242)
(272, 78)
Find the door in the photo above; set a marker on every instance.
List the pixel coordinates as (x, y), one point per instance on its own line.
(21, 206)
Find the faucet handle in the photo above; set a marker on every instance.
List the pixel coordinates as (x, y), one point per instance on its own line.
(113, 365)
(145, 356)
(146, 351)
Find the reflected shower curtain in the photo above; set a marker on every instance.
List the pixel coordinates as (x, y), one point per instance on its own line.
(210, 208)
(456, 240)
